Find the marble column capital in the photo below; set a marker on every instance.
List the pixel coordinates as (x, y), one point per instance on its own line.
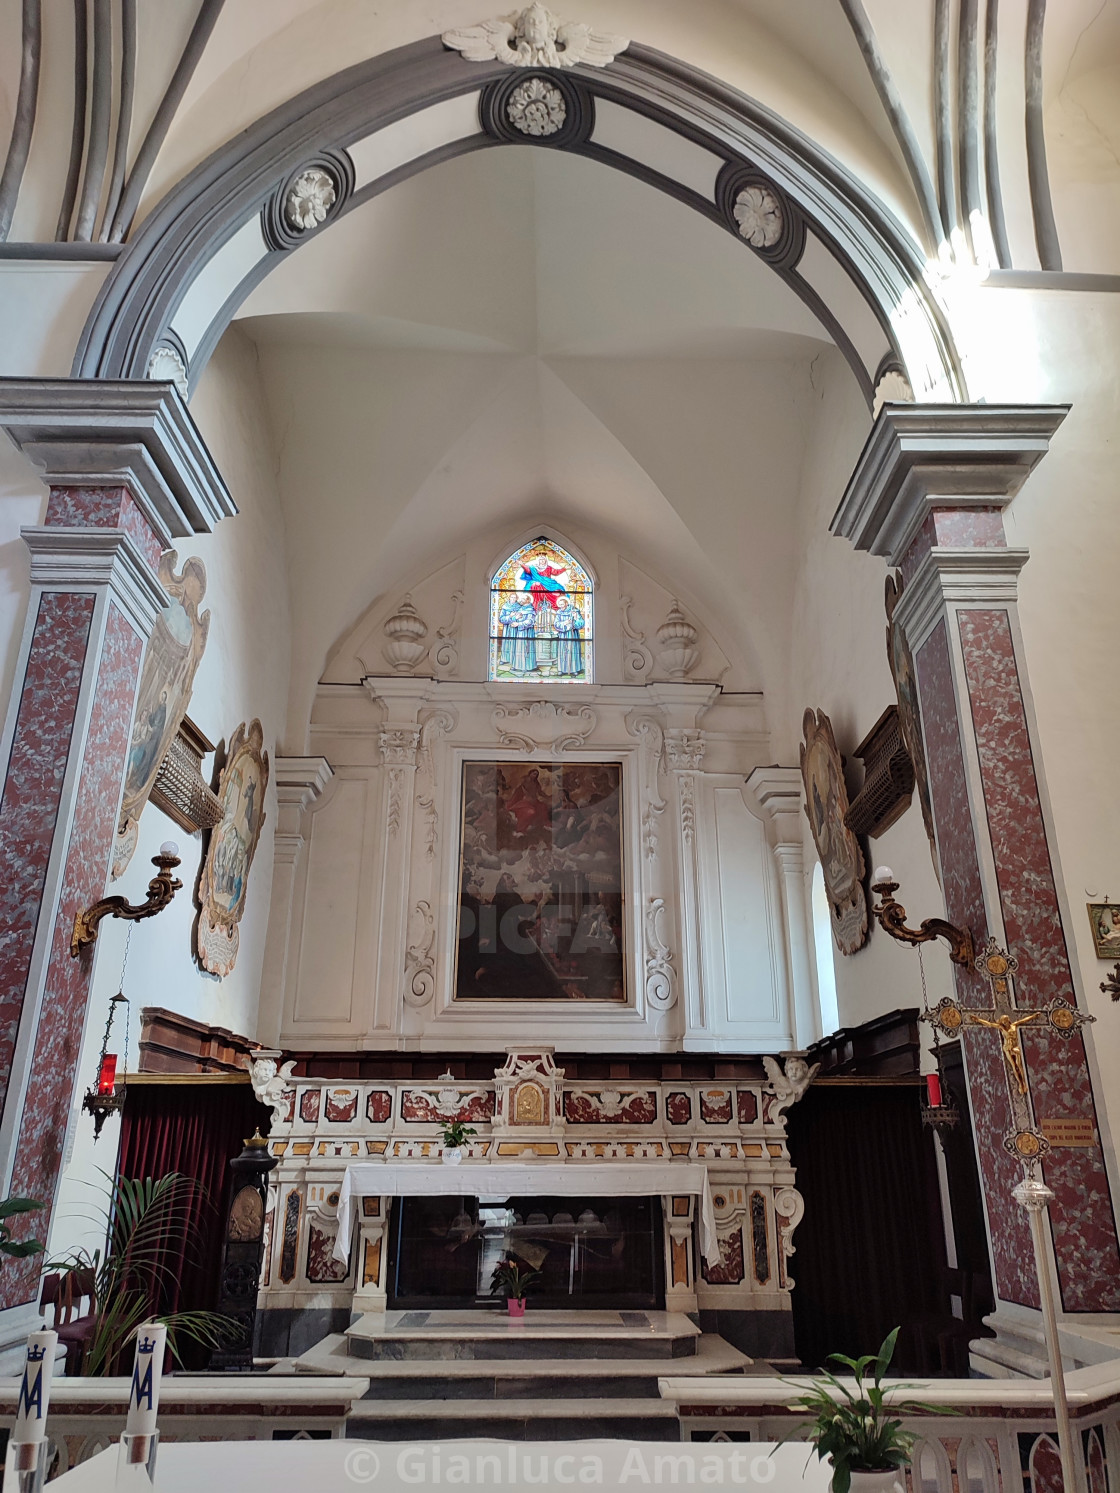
(135, 433)
(919, 457)
(91, 560)
(955, 578)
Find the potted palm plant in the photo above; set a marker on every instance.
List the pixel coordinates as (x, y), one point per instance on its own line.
(858, 1429)
(136, 1270)
(512, 1280)
(455, 1133)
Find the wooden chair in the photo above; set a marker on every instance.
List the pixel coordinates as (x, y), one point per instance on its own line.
(64, 1292)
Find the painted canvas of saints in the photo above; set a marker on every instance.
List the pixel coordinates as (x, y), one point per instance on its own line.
(224, 879)
(540, 616)
(541, 890)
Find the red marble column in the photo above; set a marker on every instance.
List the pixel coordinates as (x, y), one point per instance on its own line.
(141, 477)
(927, 494)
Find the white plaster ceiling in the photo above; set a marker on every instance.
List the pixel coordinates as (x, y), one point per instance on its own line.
(518, 334)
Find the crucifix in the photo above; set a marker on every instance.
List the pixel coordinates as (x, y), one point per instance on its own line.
(1024, 1140)
(1007, 1018)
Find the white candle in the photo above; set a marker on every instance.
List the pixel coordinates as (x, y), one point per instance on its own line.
(35, 1391)
(143, 1399)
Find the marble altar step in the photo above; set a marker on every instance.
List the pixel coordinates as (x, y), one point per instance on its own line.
(548, 1419)
(452, 1336)
(481, 1379)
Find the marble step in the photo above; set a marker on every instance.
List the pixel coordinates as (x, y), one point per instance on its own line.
(713, 1356)
(450, 1336)
(527, 1420)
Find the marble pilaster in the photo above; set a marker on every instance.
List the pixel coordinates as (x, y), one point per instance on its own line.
(778, 791)
(300, 783)
(927, 494)
(126, 472)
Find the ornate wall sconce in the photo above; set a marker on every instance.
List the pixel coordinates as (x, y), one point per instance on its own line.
(891, 917)
(161, 889)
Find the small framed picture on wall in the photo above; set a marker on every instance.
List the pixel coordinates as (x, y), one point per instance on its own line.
(1104, 919)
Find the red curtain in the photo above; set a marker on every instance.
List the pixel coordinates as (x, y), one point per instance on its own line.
(194, 1129)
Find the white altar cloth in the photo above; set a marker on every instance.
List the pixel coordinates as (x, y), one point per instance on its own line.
(503, 1179)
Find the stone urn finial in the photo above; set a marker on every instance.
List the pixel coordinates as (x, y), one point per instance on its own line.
(677, 652)
(406, 631)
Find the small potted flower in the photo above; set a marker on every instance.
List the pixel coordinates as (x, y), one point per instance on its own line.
(857, 1429)
(512, 1280)
(455, 1135)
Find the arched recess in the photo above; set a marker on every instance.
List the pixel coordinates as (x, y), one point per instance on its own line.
(223, 228)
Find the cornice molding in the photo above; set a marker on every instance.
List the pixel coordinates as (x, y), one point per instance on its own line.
(921, 456)
(136, 432)
(957, 577)
(64, 559)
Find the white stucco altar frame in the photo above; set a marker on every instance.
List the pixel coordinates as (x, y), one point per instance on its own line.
(499, 1180)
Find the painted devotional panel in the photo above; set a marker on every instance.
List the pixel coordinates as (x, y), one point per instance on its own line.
(171, 659)
(541, 882)
(229, 855)
(541, 608)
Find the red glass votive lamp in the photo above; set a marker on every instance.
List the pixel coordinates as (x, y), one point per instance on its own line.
(933, 1089)
(107, 1074)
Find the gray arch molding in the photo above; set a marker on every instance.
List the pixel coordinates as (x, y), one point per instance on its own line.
(189, 225)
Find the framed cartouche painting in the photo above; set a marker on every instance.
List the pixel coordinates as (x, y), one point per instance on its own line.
(1104, 918)
(541, 891)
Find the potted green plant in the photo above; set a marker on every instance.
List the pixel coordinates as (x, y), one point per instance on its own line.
(455, 1134)
(858, 1429)
(512, 1280)
(17, 1249)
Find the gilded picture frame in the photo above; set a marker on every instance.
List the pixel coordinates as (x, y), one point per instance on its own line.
(171, 659)
(224, 880)
(909, 708)
(1104, 919)
(826, 804)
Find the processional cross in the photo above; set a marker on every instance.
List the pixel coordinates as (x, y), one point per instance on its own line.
(1025, 1141)
(1005, 1017)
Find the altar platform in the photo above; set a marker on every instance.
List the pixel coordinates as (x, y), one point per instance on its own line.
(308, 1467)
(548, 1376)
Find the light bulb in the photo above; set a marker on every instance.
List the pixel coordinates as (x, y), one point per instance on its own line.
(882, 873)
(169, 847)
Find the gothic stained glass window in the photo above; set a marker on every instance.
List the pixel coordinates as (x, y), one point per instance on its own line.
(541, 608)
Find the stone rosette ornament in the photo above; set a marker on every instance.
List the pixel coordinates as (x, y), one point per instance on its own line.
(309, 199)
(759, 216)
(536, 107)
(223, 884)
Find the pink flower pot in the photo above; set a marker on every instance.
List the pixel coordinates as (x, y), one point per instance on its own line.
(515, 1306)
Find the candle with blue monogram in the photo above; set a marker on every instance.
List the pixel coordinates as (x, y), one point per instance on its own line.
(25, 1464)
(35, 1391)
(143, 1400)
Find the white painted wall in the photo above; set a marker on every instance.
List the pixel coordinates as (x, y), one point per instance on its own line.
(839, 665)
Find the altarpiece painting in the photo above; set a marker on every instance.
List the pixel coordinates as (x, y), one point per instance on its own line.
(541, 882)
